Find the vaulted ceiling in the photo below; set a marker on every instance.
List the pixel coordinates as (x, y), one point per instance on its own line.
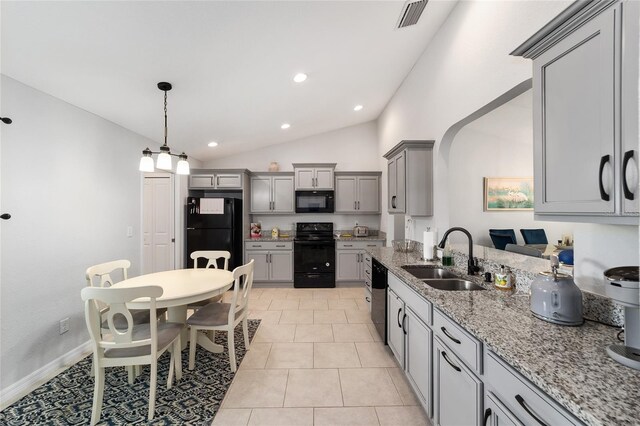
(231, 64)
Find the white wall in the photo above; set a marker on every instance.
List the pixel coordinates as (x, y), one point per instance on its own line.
(353, 148)
(498, 144)
(70, 180)
(465, 67)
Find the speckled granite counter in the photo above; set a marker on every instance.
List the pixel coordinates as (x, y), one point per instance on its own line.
(568, 363)
(379, 236)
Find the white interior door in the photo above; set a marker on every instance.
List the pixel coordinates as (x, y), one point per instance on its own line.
(157, 223)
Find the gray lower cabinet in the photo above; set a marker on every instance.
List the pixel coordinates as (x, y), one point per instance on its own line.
(350, 259)
(273, 261)
(358, 193)
(457, 391)
(410, 338)
(519, 398)
(496, 414)
(585, 113)
(410, 178)
(272, 194)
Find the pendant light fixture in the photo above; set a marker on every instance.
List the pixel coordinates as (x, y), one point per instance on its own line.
(164, 155)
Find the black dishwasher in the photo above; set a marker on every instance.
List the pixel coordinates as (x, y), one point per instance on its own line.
(379, 298)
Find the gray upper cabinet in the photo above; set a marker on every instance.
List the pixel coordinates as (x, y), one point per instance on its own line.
(314, 176)
(216, 179)
(272, 193)
(585, 113)
(410, 178)
(358, 192)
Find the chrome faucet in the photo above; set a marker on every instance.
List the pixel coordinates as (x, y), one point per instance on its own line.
(472, 268)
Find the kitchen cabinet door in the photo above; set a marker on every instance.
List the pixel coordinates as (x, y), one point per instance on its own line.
(261, 264)
(324, 178)
(228, 181)
(305, 178)
(201, 181)
(260, 194)
(457, 391)
(401, 188)
(348, 265)
(281, 264)
(346, 193)
(630, 64)
(496, 414)
(392, 170)
(418, 358)
(368, 196)
(283, 194)
(395, 338)
(575, 120)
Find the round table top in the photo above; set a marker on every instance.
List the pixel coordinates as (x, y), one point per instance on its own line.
(180, 286)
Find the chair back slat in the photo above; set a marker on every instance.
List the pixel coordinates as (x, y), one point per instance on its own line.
(212, 257)
(243, 281)
(100, 275)
(115, 299)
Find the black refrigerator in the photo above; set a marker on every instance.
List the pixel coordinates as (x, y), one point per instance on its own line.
(215, 231)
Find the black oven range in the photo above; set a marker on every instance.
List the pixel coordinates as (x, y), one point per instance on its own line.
(314, 255)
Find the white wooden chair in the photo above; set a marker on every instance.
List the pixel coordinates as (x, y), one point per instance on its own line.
(224, 316)
(212, 257)
(100, 276)
(130, 345)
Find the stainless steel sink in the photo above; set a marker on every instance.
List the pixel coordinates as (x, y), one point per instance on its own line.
(452, 284)
(430, 273)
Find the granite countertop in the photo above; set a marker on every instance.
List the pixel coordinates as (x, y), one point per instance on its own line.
(268, 238)
(568, 363)
(369, 238)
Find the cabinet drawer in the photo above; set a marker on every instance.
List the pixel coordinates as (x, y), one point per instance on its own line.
(367, 297)
(464, 345)
(522, 398)
(201, 181)
(367, 261)
(367, 282)
(417, 303)
(357, 245)
(269, 245)
(228, 181)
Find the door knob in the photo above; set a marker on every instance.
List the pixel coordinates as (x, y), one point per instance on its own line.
(5, 216)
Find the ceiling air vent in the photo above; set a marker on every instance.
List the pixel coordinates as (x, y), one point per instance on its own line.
(411, 12)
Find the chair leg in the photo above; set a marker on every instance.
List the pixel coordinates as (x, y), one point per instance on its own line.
(192, 346)
(232, 348)
(178, 357)
(152, 389)
(245, 331)
(212, 335)
(98, 391)
(131, 373)
(172, 350)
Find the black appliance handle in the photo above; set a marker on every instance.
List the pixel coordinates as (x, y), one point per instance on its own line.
(446, 333)
(404, 330)
(487, 415)
(446, 358)
(315, 242)
(399, 311)
(603, 160)
(529, 411)
(189, 229)
(5, 216)
(625, 186)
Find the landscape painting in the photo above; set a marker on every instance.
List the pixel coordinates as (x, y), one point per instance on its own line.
(508, 194)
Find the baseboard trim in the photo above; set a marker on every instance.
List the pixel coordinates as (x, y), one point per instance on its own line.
(24, 386)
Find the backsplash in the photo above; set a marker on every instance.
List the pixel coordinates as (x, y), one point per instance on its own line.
(526, 268)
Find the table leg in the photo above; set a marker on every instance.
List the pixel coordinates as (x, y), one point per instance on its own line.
(178, 314)
(205, 342)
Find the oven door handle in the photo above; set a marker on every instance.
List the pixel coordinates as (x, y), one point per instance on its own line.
(316, 242)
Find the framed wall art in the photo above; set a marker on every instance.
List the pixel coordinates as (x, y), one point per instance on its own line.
(508, 193)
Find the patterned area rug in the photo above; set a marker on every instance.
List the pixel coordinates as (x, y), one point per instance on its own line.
(194, 400)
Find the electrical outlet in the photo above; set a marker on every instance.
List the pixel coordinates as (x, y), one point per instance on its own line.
(129, 231)
(64, 325)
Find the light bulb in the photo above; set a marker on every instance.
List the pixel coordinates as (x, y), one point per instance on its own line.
(146, 164)
(164, 161)
(182, 168)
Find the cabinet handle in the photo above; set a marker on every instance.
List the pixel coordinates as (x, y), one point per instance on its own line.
(7, 216)
(603, 160)
(279, 245)
(254, 246)
(393, 202)
(358, 204)
(355, 205)
(625, 186)
(446, 358)
(529, 411)
(446, 333)
(487, 415)
(404, 330)
(348, 245)
(372, 245)
(217, 180)
(399, 311)
(367, 299)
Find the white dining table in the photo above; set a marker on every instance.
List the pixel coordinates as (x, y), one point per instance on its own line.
(181, 287)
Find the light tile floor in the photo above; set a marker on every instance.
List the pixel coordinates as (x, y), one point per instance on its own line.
(316, 359)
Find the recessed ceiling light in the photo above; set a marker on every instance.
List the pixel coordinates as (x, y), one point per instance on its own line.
(212, 144)
(285, 126)
(300, 77)
(357, 107)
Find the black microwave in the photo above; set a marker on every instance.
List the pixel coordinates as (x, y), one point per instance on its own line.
(314, 202)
